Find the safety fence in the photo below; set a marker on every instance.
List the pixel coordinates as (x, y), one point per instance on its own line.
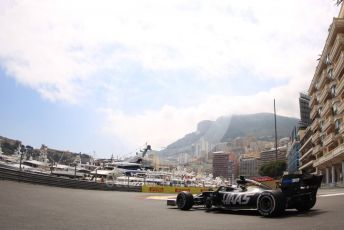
(47, 179)
(109, 185)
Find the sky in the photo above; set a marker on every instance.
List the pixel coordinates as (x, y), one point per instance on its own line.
(105, 77)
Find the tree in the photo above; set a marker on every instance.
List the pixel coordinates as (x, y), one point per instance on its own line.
(273, 169)
(338, 2)
(8, 148)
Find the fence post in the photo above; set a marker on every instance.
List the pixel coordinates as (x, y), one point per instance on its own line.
(128, 184)
(74, 171)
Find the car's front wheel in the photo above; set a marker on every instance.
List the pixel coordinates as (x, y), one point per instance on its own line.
(208, 203)
(185, 200)
(271, 203)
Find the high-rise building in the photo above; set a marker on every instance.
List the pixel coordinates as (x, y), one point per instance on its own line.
(293, 153)
(220, 164)
(183, 158)
(305, 110)
(323, 145)
(201, 148)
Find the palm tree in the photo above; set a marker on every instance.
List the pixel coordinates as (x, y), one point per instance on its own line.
(338, 2)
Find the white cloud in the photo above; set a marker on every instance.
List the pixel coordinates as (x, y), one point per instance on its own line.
(61, 48)
(162, 127)
(52, 44)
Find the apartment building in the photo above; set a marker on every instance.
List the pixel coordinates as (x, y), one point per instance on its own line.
(233, 168)
(306, 151)
(270, 155)
(249, 167)
(322, 147)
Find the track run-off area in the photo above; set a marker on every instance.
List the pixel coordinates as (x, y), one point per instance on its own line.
(28, 206)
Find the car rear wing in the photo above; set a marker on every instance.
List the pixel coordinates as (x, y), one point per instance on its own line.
(300, 183)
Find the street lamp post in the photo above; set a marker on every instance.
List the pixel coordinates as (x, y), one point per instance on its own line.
(275, 132)
(275, 166)
(22, 150)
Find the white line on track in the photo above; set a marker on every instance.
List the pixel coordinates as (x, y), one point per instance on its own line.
(160, 197)
(334, 194)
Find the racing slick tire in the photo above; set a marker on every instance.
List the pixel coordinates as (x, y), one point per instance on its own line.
(307, 204)
(271, 203)
(185, 200)
(208, 203)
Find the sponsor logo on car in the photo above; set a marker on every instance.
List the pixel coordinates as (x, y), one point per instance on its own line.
(234, 199)
(290, 181)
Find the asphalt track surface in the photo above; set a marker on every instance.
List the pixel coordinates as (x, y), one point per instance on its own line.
(27, 206)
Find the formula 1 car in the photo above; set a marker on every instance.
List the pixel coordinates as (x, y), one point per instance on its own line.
(296, 191)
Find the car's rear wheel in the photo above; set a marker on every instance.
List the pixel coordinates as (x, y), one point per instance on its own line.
(307, 204)
(185, 200)
(271, 203)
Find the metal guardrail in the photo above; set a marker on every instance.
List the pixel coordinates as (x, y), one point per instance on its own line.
(51, 180)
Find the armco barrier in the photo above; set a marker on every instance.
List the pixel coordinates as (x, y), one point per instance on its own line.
(172, 189)
(46, 179)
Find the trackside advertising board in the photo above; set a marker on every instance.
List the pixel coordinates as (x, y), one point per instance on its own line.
(172, 189)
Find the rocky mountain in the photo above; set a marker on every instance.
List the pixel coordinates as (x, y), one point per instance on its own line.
(211, 131)
(226, 128)
(261, 126)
